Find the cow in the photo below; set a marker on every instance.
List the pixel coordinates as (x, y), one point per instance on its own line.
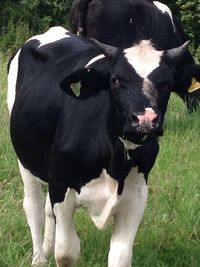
(123, 23)
(85, 118)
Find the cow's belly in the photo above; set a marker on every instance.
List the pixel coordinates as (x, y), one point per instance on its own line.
(99, 197)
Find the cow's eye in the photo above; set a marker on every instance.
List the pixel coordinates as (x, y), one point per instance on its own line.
(114, 82)
(163, 86)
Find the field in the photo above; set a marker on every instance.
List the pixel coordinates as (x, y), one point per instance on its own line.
(169, 235)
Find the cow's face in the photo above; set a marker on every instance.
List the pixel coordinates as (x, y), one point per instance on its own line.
(141, 83)
(141, 80)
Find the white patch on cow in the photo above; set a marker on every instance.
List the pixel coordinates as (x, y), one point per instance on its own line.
(165, 9)
(99, 197)
(12, 81)
(34, 208)
(54, 34)
(94, 60)
(127, 219)
(143, 58)
(128, 145)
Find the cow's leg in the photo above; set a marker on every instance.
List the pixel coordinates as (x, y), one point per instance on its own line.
(67, 244)
(34, 208)
(49, 233)
(126, 221)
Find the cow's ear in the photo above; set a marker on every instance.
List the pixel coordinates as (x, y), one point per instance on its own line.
(85, 81)
(173, 56)
(188, 79)
(71, 83)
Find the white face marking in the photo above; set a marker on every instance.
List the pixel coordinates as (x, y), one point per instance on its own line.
(94, 60)
(165, 9)
(143, 58)
(12, 81)
(52, 35)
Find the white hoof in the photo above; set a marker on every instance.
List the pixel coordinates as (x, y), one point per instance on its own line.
(38, 260)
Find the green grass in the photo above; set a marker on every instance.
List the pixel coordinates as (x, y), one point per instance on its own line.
(169, 235)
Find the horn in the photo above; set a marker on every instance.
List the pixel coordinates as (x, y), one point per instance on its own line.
(107, 50)
(176, 53)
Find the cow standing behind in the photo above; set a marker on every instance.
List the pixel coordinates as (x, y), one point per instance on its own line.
(94, 150)
(123, 23)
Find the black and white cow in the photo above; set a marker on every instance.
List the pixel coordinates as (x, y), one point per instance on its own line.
(123, 22)
(94, 150)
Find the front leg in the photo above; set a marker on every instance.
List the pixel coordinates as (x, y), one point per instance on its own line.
(127, 220)
(67, 244)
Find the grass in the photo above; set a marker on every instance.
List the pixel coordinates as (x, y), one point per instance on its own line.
(169, 235)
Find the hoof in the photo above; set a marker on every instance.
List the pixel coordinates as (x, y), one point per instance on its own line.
(38, 260)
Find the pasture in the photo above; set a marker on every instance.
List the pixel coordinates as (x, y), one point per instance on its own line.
(169, 235)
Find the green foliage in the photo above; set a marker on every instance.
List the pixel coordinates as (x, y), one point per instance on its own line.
(190, 16)
(22, 18)
(14, 36)
(38, 14)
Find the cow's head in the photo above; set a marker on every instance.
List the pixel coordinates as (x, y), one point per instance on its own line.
(140, 81)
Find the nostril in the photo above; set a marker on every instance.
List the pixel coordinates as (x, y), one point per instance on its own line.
(155, 120)
(135, 120)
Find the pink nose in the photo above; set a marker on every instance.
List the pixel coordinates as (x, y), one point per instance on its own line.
(148, 117)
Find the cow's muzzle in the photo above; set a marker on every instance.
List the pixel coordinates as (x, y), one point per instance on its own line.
(145, 123)
(143, 126)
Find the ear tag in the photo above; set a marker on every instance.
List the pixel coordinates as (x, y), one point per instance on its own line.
(76, 88)
(194, 86)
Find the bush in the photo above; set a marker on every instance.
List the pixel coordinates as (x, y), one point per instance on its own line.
(22, 18)
(14, 36)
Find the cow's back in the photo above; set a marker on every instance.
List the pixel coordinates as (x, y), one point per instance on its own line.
(36, 97)
(124, 23)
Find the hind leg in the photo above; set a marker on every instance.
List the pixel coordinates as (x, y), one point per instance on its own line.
(49, 233)
(34, 208)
